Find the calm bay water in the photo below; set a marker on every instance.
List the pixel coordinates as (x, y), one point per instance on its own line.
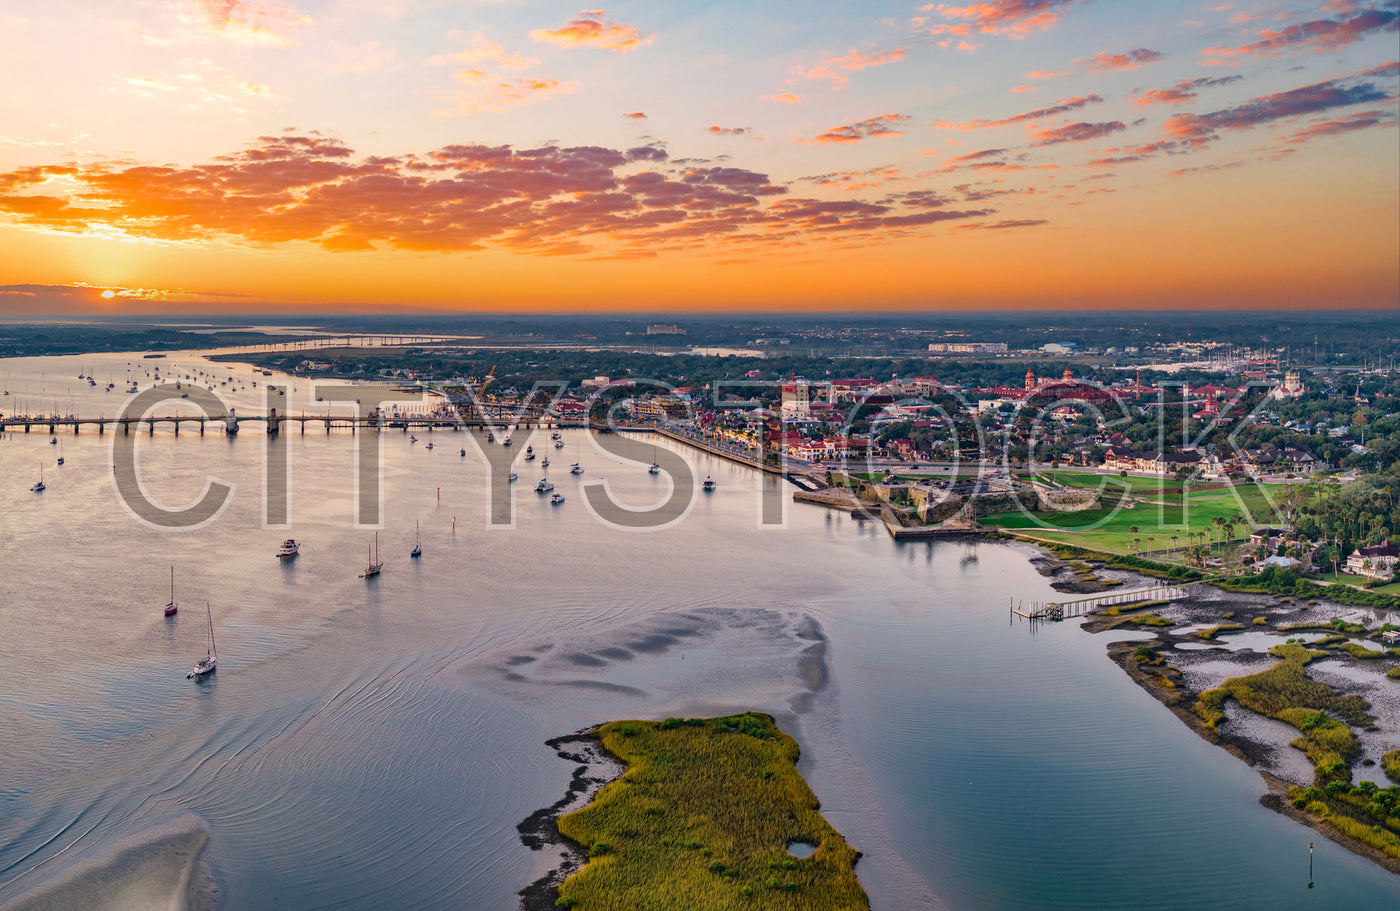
(372, 743)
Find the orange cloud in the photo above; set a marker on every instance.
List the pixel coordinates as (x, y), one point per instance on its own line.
(1009, 18)
(730, 131)
(1077, 132)
(1358, 121)
(635, 115)
(1105, 62)
(1180, 93)
(271, 25)
(783, 98)
(488, 83)
(1315, 35)
(834, 69)
(870, 128)
(1059, 107)
(590, 29)
(1197, 130)
(310, 189)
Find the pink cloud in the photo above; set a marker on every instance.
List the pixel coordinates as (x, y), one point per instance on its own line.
(1076, 132)
(870, 128)
(835, 69)
(590, 29)
(1180, 93)
(784, 98)
(1062, 106)
(1022, 88)
(1199, 129)
(730, 131)
(1105, 62)
(1359, 121)
(1009, 18)
(1313, 36)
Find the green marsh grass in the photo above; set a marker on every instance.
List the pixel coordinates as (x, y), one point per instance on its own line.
(702, 819)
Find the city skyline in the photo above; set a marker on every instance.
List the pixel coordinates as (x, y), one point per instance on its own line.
(219, 156)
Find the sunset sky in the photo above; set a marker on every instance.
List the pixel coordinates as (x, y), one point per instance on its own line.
(500, 155)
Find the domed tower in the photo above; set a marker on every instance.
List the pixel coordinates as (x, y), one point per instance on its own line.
(1068, 375)
(1030, 378)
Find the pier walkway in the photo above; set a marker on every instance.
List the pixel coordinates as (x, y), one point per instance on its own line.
(1078, 607)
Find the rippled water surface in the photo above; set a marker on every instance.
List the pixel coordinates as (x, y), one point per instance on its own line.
(372, 743)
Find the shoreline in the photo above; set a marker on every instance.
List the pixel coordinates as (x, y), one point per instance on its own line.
(540, 830)
(1248, 751)
(1166, 683)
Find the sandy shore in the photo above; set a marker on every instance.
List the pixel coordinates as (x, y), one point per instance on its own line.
(155, 869)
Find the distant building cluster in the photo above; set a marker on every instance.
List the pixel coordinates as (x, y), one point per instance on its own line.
(967, 348)
(664, 329)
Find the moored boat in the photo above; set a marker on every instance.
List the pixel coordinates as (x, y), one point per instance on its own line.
(172, 608)
(290, 548)
(210, 662)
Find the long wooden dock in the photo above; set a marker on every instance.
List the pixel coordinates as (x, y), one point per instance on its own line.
(1078, 607)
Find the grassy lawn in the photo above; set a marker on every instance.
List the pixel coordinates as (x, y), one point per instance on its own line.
(702, 820)
(1109, 529)
(1089, 479)
(1344, 578)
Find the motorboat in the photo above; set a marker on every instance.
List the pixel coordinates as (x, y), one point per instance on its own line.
(708, 484)
(576, 468)
(289, 548)
(556, 499)
(544, 486)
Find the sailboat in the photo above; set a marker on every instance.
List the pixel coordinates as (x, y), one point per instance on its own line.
(417, 544)
(210, 662)
(39, 485)
(375, 565)
(172, 607)
(655, 468)
(60, 453)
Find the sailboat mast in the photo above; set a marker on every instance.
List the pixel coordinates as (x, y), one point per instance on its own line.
(213, 649)
(172, 585)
